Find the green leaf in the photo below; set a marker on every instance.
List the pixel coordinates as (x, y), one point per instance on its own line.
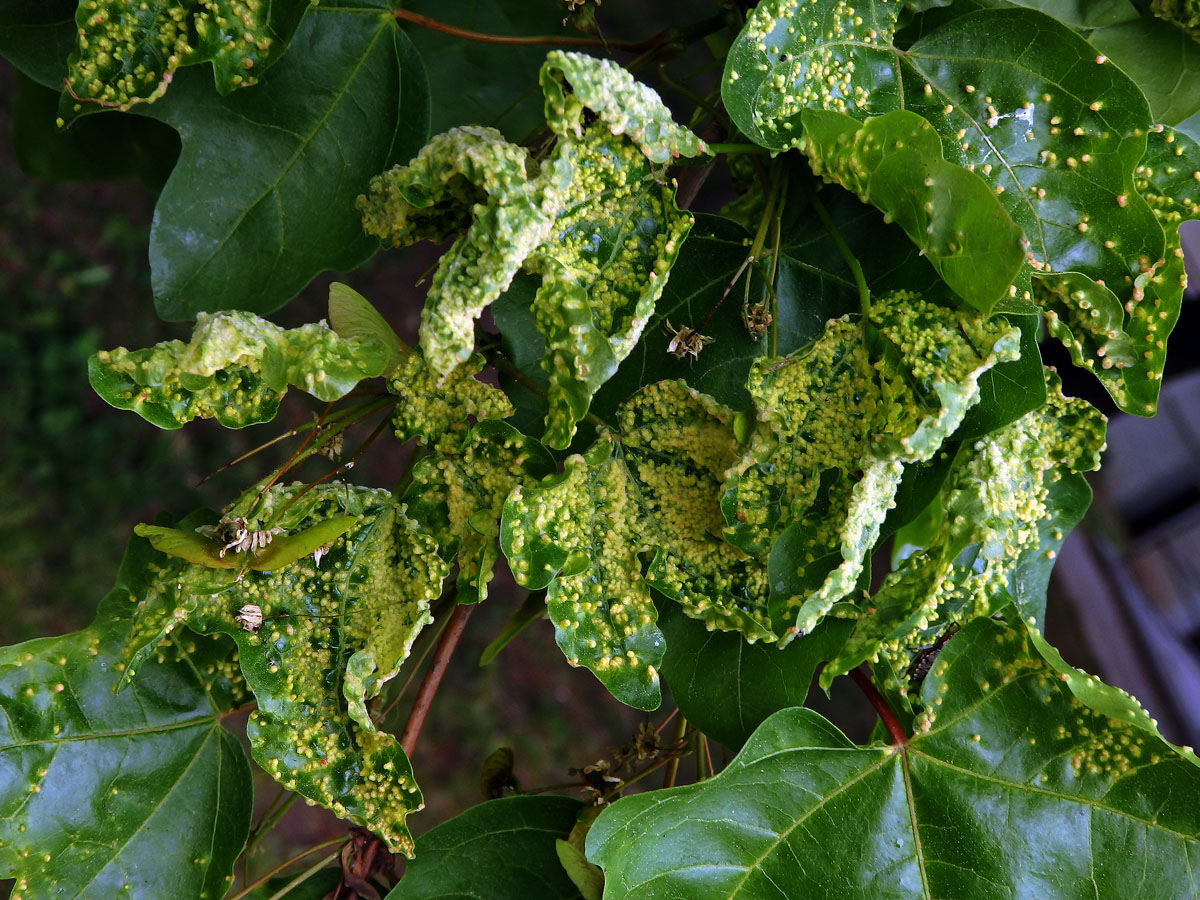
(604, 264)
(651, 489)
(353, 317)
(1008, 502)
(489, 84)
(1169, 179)
(38, 37)
(112, 146)
(894, 162)
(1164, 61)
(127, 52)
(1009, 390)
(836, 421)
(597, 222)
(710, 257)
(235, 369)
(104, 795)
(458, 497)
(1011, 787)
(725, 686)
(574, 83)
(502, 850)
(1017, 98)
(435, 410)
(333, 633)
(252, 211)
(469, 177)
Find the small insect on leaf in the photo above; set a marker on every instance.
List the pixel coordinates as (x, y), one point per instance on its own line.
(685, 340)
(924, 658)
(250, 617)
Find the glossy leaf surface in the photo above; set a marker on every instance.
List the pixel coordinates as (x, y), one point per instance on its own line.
(353, 317)
(457, 497)
(1011, 787)
(104, 794)
(502, 850)
(333, 633)
(235, 369)
(263, 196)
(1017, 97)
(894, 162)
(727, 687)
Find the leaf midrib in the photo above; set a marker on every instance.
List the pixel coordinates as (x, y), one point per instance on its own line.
(272, 187)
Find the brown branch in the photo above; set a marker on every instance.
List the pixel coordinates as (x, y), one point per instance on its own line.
(860, 677)
(527, 40)
(433, 677)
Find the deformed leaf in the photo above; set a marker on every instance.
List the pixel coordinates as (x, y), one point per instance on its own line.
(574, 83)
(1018, 98)
(458, 497)
(434, 409)
(595, 221)
(353, 317)
(652, 488)
(105, 795)
(835, 424)
(332, 634)
(1009, 502)
(468, 179)
(202, 550)
(604, 264)
(503, 850)
(127, 51)
(235, 369)
(1010, 787)
(894, 162)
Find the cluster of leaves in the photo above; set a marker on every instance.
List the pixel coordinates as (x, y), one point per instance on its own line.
(923, 183)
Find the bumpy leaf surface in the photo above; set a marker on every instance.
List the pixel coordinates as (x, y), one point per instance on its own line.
(262, 198)
(574, 83)
(1009, 502)
(604, 264)
(128, 51)
(653, 488)
(502, 850)
(836, 422)
(596, 222)
(894, 162)
(458, 497)
(333, 633)
(1017, 97)
(468, 177)
(434, 409)
(105, 795)
(1012, 787)
(235, 369)
(1184, 13)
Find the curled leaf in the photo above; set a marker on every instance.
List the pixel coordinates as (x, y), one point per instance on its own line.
(1008, 501)
(353, 317)
(575, 84)
(331, 636)
(235, 369)
(894, 162)
(836, 423)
